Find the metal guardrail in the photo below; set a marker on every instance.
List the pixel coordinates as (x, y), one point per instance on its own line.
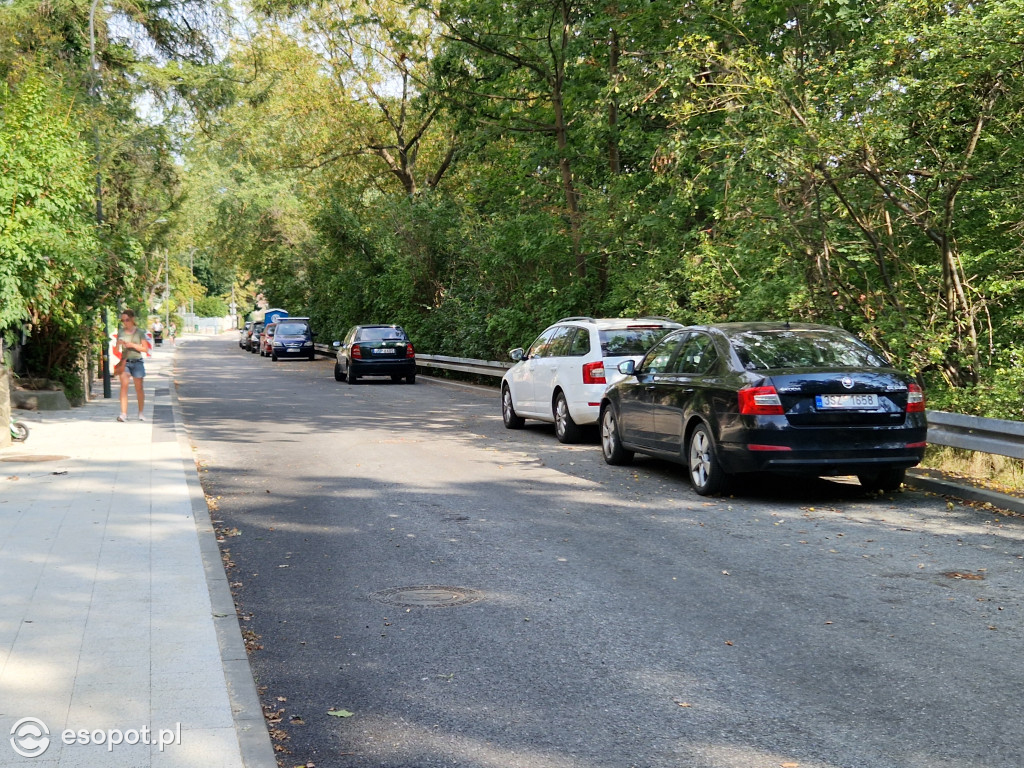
(954, 430)
(493, 368)
(463, 365)
(957, 430)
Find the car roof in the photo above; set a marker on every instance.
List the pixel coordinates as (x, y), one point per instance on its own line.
(607, 323)
(734, 329)
(379, 325)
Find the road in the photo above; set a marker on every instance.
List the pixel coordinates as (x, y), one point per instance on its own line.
(588, 616)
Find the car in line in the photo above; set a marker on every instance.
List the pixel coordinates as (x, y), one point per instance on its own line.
(375, 350)
(267, 339)
(560, 378)
(253, 343)
(243, 334)
(293, 337)
(738, 398)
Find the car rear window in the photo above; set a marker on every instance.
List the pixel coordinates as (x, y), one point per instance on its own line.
(803, 349)
(382, 334)
(621, 342)
(292, 329)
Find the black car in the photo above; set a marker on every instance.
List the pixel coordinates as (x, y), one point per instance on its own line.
(293, 338)
(780, 397)
(375, 350)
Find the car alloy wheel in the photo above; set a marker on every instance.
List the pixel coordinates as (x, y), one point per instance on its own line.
(566, 430)
(508, 412)
(705, 473)
(611, 445)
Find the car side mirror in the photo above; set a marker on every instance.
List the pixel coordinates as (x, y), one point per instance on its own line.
(517, 354)
(628, 367)
(336, 345)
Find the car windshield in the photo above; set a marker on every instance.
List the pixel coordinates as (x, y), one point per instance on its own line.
(622, 342)
(292, 329)
(797, 348)
(382, 334)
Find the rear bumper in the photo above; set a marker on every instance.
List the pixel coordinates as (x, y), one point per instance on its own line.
(406, 367)
(835, 461)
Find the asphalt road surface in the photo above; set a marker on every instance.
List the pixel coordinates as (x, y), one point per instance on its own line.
(585, 616)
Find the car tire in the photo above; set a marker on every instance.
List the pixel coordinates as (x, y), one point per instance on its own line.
(411, 378)
(508, 411)
(566, 430)
(611, 443)
(338, 375)
(352, 378)
(706, 473)
(312, 355)
(886, 481)
(273, 356)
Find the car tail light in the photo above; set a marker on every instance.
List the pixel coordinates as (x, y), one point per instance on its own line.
(409, 351)
(915, 398)
(593, 373)
(760, 401)
(357, 353)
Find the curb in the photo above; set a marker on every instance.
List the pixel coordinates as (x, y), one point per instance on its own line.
(250, 727)
(923, 481)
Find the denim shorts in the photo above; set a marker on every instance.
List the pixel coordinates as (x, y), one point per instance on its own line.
(136, 368)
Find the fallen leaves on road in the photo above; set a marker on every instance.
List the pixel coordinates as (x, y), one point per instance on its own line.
(340, 713)
(965, 575)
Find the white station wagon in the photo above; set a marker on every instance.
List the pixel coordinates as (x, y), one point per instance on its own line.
(564, 373)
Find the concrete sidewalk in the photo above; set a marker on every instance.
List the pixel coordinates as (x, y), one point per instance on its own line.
(116, 621)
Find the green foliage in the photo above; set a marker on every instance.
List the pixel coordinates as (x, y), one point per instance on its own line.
(709, 162)
(47, 244)
(211, 306)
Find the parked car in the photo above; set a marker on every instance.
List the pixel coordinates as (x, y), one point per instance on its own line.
(293, 338)
(243, 334)
(267, 339)
(375, 350)
(254, 337)
(749, 397)
(563, 374)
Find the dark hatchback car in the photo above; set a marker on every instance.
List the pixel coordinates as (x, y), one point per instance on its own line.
(252, 342)
(749, 397)
(293, 338)
(375, 350)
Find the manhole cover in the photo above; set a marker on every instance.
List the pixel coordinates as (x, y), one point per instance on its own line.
(33, 458)
(427, 596)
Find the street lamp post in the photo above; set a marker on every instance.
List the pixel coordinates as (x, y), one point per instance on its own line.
(167, 289)
(93, 92)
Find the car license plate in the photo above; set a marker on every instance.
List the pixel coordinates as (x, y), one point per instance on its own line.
(384, 351)
(846, 401)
